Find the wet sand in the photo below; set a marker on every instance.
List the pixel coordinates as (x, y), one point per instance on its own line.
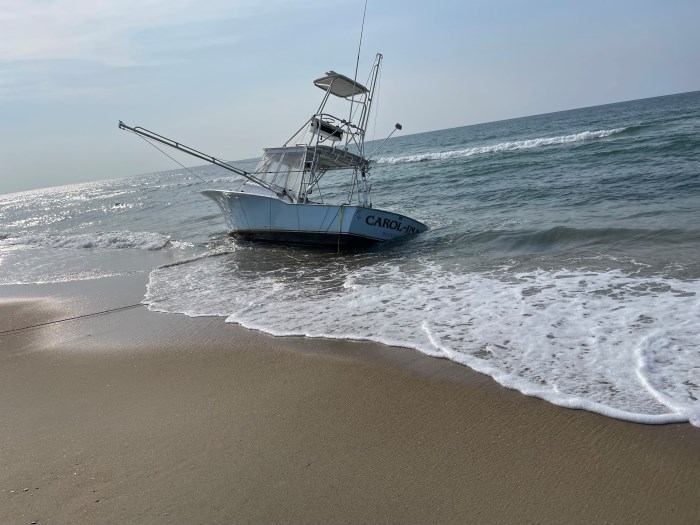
(139, 417)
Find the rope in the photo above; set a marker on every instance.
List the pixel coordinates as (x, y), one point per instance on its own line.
(111, 310)
(340, 228)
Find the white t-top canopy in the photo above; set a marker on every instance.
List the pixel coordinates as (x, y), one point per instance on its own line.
(340, 85)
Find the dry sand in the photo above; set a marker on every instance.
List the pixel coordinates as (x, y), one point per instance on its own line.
(139, 417)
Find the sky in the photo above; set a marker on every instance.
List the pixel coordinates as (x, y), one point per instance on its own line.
(230, 77)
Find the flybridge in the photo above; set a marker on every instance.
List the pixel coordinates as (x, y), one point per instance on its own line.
(340, 132)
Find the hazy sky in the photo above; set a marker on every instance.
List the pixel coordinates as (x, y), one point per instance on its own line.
(230, 77)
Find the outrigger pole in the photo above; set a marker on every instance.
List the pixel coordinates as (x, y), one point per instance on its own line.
(191, 151)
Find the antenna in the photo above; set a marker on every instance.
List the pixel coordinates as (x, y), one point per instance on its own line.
(397, 126)
(359, 47)
(357, 62)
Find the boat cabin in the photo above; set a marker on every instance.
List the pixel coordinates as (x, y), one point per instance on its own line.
(294, 170)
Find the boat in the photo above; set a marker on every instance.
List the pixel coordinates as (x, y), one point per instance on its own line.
(281, 202)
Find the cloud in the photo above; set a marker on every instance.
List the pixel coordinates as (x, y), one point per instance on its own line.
(58, 49)
(103, 30)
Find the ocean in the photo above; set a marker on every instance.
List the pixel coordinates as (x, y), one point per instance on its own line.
(563, 256)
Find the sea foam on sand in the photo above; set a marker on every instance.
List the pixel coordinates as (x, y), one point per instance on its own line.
(620, 345)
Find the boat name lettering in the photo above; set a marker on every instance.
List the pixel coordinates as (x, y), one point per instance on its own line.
(390, 224)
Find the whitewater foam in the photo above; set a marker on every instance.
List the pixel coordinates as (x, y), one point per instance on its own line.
(619, 345)
(503, 147)
(111, 239)
(50, 257)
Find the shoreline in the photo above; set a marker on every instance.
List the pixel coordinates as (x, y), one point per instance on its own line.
(137, 415)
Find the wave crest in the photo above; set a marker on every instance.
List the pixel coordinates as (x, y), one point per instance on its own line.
(113, 240)
(503, 147)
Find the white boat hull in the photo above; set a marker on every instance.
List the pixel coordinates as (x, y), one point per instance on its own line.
(252, 216)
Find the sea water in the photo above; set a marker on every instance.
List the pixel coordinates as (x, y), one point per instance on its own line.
(563, 258)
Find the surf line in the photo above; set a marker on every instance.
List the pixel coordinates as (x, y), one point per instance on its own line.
(93, 314)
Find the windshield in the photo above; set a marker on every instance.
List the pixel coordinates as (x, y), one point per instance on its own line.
(283, 169)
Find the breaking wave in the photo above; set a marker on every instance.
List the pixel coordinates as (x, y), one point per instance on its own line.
(113, 240)
(503, 147)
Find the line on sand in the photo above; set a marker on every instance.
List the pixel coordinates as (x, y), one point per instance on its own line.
(93, 314)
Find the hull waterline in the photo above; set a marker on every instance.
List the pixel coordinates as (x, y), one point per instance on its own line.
(262, 218)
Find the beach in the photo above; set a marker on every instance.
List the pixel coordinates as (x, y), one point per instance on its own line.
(464, 289)
(134, 416)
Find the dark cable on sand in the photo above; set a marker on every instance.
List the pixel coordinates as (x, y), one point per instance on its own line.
(112, 310)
